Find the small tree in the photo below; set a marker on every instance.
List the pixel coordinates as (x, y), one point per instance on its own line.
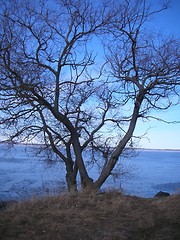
(53, 90)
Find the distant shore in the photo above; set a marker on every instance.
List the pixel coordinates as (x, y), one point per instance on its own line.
(136, 148)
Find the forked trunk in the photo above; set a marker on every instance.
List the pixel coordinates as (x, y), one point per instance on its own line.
(86, 181)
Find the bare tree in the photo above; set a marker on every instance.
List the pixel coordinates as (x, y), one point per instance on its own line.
(144, 68)
(53, 90)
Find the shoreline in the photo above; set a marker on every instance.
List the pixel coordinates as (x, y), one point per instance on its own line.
(136, 148)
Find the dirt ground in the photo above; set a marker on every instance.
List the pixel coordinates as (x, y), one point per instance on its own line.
(107, 216)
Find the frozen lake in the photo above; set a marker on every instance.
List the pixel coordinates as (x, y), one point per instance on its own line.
(23, 175)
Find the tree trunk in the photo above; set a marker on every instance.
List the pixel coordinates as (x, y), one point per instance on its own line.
(108, 167)
(71, 182)
(86, 181)
(71, 174)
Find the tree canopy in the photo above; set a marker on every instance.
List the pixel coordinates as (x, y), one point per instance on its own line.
(77, 76)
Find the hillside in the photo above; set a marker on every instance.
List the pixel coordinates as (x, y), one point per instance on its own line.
(108, 216)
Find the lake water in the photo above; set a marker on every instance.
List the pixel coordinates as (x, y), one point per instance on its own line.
(23, 175)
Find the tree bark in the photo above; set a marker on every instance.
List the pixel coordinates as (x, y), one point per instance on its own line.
(86, 181)
(71, 182)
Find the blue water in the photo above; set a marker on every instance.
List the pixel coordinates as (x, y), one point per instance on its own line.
(155, 170)
(23, 175)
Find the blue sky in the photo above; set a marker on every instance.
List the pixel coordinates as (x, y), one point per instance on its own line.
(161, 135)
(169, 20)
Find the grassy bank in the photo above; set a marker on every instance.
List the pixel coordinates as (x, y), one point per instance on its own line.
(106, 216)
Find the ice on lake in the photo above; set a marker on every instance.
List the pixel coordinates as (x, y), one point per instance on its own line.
(23, 175)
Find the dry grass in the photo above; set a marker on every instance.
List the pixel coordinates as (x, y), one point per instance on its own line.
(108, 216)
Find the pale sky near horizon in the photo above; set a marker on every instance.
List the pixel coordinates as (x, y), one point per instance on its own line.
(162, 135)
